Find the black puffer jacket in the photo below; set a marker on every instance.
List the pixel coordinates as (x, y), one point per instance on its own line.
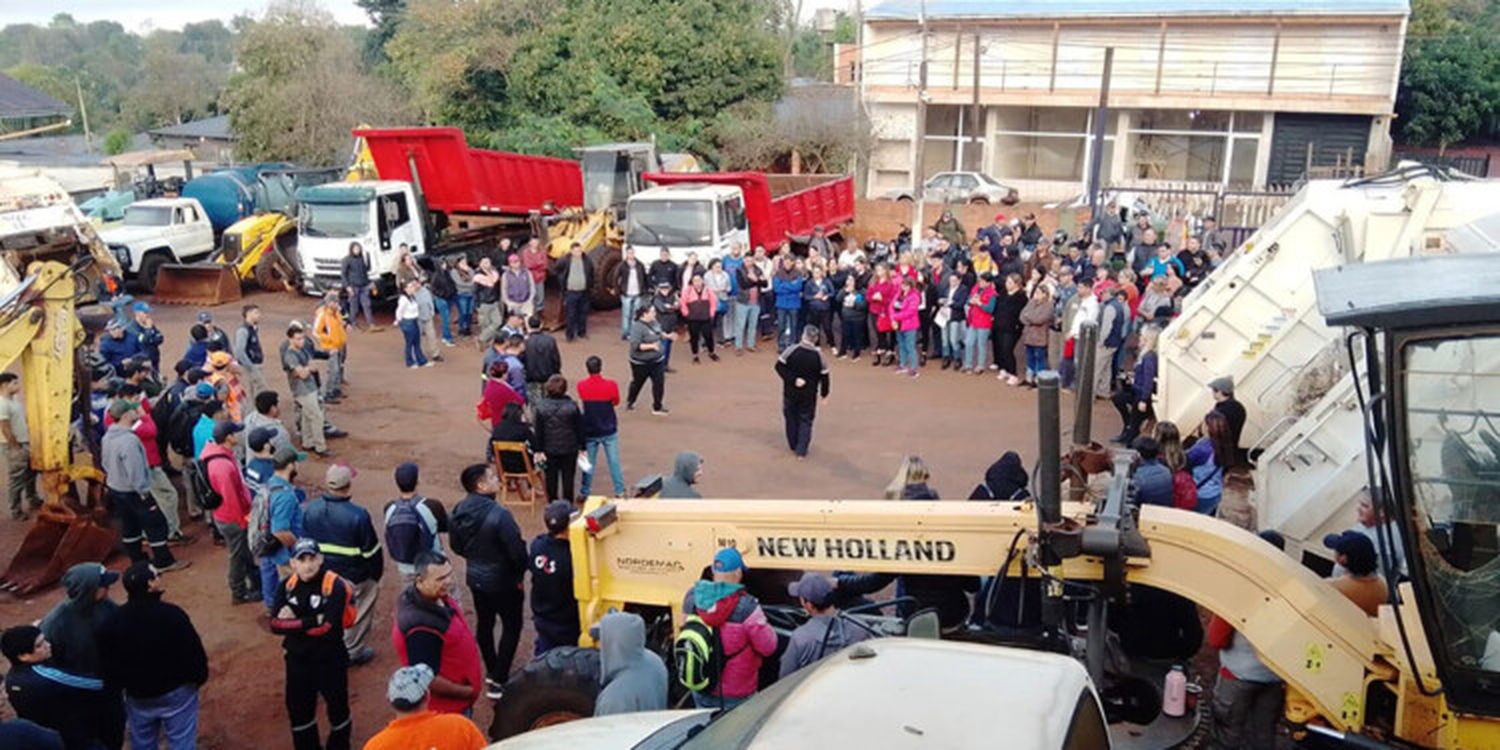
(559, 426)
(486, 535)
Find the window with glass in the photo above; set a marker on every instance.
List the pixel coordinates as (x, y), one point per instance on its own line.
(954, 140)
(1046, 143)
(1195, 146)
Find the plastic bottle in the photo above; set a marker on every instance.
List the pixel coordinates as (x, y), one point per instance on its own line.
(1174, 693)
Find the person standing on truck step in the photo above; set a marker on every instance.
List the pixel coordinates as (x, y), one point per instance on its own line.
(630, 283)
(247, 349)
(575, 272)
(1222, 389)
(347, 538)
(430, 629)
(310, 614)
(534, 257)
(296, 361)
(354, 273)
(21, 476)
(332, 336)
(487, 293)
(485, 533)
(127, 482)
(542, 358)
(804, 380)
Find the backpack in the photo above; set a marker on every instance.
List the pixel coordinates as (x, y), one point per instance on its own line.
(697, 655)
(1184, 490)
(262, 541)
(329, 579)
(406, 533)
(196, 471)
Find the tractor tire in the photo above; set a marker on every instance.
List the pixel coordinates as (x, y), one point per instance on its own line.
(558, 686)
(150, 266)
(606, 262)
(274, 273)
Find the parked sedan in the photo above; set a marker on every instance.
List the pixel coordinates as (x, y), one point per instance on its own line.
(960, 187)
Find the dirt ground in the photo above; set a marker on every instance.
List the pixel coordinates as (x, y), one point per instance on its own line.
(728, 411)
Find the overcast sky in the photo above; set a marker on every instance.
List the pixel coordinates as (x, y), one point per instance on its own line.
(142, 15)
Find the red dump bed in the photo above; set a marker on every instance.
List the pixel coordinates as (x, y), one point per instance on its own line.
(456, 179)
(779, 204)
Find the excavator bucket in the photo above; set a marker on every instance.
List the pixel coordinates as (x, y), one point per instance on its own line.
(200, 284)
(51, 547)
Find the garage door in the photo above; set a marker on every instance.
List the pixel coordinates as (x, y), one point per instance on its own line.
(1333, 137)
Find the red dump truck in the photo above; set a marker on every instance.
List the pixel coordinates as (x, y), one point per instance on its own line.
(708, 213)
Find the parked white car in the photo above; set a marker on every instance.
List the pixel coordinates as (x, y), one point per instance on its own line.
(883, 693)
(959, 187)
(156, 232)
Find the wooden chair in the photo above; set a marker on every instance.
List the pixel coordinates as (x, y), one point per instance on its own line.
(527, 484)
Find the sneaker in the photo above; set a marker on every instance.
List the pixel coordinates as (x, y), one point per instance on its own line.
(914, 374)
(429, 364)
(493, 690)
(630, 407)
(411, 367)
(325, 453)
(448, 342)
(335, 433)
(660, 412)
(180, 539)
(178, 565)
(364, 655)
(713, 356)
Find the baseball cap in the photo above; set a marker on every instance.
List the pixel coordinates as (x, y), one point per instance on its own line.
(557, 514)
(138, 577)
(204, 390)
(259, 437)
(141, 307)
(121, 407)
(1224, 385)
(408, 686)
(114, 324)
(286, 455)
(1355, 547)
(339, 476)
(306, 546)
(728, 560)
(816, 588)
(205, 316)
(999, 218)
(225, 429)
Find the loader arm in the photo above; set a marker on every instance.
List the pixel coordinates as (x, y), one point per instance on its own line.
(1320, 643)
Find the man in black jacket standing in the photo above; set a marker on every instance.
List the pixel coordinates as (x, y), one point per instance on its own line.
(486, 535)
(354, 273)
(575, 273)
(151, 649)
(542, 359)
(347, 538)
(632, 287)
(804, 379)
(310, 614)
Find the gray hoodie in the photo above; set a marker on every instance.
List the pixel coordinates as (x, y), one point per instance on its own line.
(72, 625)
(680, 484)
(633, 678)
(124, 461)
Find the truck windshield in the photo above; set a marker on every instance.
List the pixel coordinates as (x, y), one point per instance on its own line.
(148, 216)
(334, 219)
(1453, 444)
(606, 179)
(671, 223)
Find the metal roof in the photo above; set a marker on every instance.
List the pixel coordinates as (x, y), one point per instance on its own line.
(1434, 290)
(17, 101)
(211, 128)
(892, 10)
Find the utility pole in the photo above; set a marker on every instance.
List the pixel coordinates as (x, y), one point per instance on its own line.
(83, 111)
(857, 87)
(976, 126)
(1096, 156)
(918, 188)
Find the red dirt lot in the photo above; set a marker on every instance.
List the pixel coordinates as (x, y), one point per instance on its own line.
(728, 411)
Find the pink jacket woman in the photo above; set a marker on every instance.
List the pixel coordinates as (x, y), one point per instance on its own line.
(905, 310)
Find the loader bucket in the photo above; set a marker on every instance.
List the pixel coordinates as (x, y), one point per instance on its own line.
(51, 547)
(200, 284)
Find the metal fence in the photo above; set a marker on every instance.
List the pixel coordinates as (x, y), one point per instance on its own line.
(1240, 211)
(1477, 165)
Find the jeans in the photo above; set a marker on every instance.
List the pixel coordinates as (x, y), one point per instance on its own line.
(359, 298)
(550, 636)
(639, 373)
(823, 320)
(507, 605)
(244, 578)
(270, 580)
(559, 475)
(140, 520)
(853, 340)
(411, 333)
(22, 478)
(335, 380)
(465, 304)
(976, 348)
(576, 313)
(173, 713)
(745, 325)
(799, 424)
(443, 310)
(611, 445)
(629, 303)
(1036, 360)
(906, 350)
(306, 679)
(786, 328)
(953, 340)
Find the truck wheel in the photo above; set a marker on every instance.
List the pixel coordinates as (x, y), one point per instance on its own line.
(556, 687)
(606, 262)
(274, 272)
(150, 265)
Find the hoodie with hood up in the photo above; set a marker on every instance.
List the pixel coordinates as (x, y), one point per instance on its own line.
(632, 677)
(73, 625)
(1006, 479)
(684, 473)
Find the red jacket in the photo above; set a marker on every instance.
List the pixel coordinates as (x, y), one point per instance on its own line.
(497, 393)
(225, 477)
(460, 662)
(976, 315)
(145, 429)
(880, 294)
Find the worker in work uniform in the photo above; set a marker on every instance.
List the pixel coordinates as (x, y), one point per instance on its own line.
(248, 352)
(310, 613)
(347, 539)
(296, 360)
(331, 336)
(127, 480)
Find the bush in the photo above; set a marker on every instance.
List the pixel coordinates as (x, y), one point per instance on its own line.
(117, 141)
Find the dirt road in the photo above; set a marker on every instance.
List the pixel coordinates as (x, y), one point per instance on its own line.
(728, 411)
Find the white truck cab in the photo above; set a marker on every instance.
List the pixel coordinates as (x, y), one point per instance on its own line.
(380, 215)
(690, 217)
(156, 232)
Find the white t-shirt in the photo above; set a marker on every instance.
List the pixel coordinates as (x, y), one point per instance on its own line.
(13, 411)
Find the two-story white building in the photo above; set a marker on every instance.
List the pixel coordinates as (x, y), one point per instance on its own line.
(1227, 92)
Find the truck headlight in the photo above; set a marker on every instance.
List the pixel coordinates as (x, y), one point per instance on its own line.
(122, 256)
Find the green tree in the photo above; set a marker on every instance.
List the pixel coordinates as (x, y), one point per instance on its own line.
(1450, 75)
(386, 15)
(174, 87)
(301, 88)
(116, 141)
(812, 51)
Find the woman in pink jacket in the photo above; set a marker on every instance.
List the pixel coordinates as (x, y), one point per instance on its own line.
(698, 306)
(882, 290)
(905, 309)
